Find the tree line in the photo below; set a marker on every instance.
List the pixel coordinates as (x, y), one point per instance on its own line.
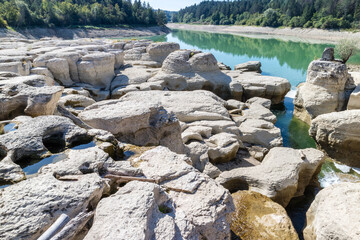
(63, 13)
(274, 13)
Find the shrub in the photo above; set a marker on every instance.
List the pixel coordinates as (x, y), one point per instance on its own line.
(3, 23)
(345, 49)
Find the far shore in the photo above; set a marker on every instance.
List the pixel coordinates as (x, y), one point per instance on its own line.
(74, 33)
(310, 35)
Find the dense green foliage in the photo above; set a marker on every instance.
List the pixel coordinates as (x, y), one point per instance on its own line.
(274, 13)
(27, 13)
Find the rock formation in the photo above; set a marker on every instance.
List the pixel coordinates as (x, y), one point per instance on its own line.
(334, 213)
(283, 174)
(258, 217)
(338, 134)
(324, 91)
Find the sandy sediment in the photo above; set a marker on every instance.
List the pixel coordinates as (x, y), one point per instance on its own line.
(74, 33)
(295, 34)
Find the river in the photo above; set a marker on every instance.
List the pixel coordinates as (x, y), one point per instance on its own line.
(281, 58)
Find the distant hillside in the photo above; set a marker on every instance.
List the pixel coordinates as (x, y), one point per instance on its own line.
(275, 13)
(64, 13)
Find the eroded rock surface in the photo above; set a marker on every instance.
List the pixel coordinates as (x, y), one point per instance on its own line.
(338, 134)
(283, 174)
(324, 90)
(334, 213)
(169, 209)
(258, 217)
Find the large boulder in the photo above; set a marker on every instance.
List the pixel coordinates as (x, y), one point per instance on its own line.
(257, 85)
(258, 217)
(324, 90)
(97, 69)
(283, 174)
(183, 203)
(30, 207)
(338, 134)
(251, 66)
(187, 70)
(32, 95)
(136, 121)
(334, 214)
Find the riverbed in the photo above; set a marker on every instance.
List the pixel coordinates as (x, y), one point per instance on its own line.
(281, 58)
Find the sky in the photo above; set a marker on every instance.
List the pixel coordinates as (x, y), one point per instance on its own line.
(171, 5)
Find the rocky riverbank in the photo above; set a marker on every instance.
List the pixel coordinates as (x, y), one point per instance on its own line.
(89, 32)
(143, 140)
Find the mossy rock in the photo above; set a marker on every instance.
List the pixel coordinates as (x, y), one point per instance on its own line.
(258, 217)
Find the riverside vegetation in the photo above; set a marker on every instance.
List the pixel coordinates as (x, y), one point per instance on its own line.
(275, 13)
(50, 13)
(133, 139)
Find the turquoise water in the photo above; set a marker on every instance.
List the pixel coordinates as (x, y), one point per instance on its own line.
(287, 59)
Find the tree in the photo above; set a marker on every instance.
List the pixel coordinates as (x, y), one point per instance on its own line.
(346, 48)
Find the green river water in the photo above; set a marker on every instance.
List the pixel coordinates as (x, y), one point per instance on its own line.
(287, 59)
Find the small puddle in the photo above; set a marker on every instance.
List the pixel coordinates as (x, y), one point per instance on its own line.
(10, 127)
(84, 146)
(4, 186)
(33, 166)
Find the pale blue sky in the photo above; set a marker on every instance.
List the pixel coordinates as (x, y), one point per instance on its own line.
(172, 5)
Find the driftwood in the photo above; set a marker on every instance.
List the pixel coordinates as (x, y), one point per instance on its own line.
(64, 112)
(127, 178)
(74, 226)
(53, 229)
(69, 178)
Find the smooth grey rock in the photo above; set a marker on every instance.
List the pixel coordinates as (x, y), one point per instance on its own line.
(251, 66)
(328, 55)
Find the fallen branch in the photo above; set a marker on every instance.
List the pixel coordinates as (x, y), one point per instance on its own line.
(64, 112)
(127, 178)
(74, 226)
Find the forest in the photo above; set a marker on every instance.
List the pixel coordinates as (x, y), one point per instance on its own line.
(325, 14)
(65, 13)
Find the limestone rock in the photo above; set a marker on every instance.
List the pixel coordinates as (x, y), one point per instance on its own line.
(32, 95)
(260, 132)
(256, 85)
(251, 66)
(137, 122)
(75, 103)
(258, 217)
(354, 101)
(334, 213)
(323, 92)
(34, 137)
(339, 135)
(223, 147)
(222, 66)
(97, 69)
(283, 174)
(30, 207)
